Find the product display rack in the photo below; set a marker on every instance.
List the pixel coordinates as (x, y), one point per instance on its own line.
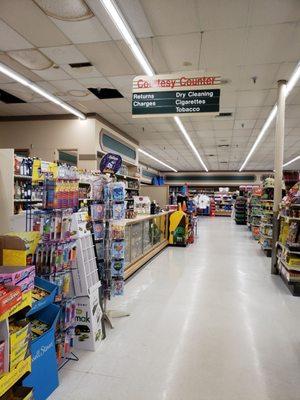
(255, 211)
(288, 245)
(224, 203)
(241, 211)
(11, 377)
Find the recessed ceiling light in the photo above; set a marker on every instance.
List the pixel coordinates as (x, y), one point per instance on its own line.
(78, 93)
(66, 10)
(31, 58)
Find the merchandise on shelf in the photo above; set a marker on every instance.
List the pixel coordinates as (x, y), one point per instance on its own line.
(241, 211)
(178, 228)
(266, 220)
(255, 211)
(224, 202)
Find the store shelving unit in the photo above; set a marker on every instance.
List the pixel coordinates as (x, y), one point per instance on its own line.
(224, 203)
(288, 244)
(254, 213)
(266, 220)
(241, 211)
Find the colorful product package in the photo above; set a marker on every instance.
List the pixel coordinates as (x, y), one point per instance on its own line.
(97, 212)
(118, 211)
(117, 230)
(99, 230)
(16, 276)
(117, 268)
(118, 191)
(117, 286)
(118, 249)
(100, 250)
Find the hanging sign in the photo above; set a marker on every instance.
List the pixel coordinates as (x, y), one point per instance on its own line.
(110, 163)
(176, 94)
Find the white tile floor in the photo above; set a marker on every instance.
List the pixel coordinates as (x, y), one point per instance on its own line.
(208, 322)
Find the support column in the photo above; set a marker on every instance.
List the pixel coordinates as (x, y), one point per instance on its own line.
(278, 165)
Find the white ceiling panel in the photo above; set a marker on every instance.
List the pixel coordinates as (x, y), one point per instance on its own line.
(5, 59)
(223, 48)
(255, 77)
(87, 31)
(64, 54)
(226, 124)
(171, 17)
(52, 74)
(244, 124)
(17, 109)
(216, 14)
(96, 82)
(107, 58)
(136, 18)
(11, 40)
(281, 43)
(179, 49)
(251, 98)
(278, 11)
(30, 22)
(247, 112)
(119, 105)
(18, 90)
(78, 73)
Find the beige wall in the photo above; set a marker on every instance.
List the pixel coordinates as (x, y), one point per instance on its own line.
(43, 138)
(7, 188)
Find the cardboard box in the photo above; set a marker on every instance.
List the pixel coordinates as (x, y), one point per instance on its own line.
(20, 337)
(18, 354)
(18, 248)
(7, 380)
(18, 276)
(10, 299)
(20, 392)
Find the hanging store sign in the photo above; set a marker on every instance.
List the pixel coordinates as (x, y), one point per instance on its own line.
(176, 94)
(110, 163)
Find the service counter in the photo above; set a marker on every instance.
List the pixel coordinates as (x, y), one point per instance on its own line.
(145, 236)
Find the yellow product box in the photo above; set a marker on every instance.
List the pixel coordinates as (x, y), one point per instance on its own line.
(8, 379)
(18, 354)
(19, 337)
(26, 302)
(18, 248)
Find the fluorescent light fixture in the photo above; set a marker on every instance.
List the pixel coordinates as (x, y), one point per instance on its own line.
(261, 134)
(189, 140)
(157, 160)
(128, 35)
(293, 80)
(289, 87)
(291, 161)
(26, 82)
(126, 32)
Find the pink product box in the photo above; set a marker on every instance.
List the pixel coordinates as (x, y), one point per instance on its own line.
(18, 276)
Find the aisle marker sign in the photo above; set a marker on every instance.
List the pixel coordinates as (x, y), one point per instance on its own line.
(175, 94)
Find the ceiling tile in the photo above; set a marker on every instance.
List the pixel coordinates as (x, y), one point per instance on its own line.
(64, 54)
(30, 22)
(244, 124)
(171, 17)
(277, 11)
(119, 105)
(11, 40)
(78, 73)
(106, 57)
(136, 18)
(96, 82)
(179, 49)
(87, 31)
(281, 44)
(216, 14)
(52, 74)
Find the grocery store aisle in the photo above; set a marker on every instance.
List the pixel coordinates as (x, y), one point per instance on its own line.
(208, 322)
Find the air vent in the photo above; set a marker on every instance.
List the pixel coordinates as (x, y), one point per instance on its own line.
(211, 155)
(223, 145)
(9, 98)
(224, 114)
(106, 93)
(223, 162)
(81, 65)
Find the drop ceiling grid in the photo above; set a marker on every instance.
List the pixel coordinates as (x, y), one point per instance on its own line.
(252, 107)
